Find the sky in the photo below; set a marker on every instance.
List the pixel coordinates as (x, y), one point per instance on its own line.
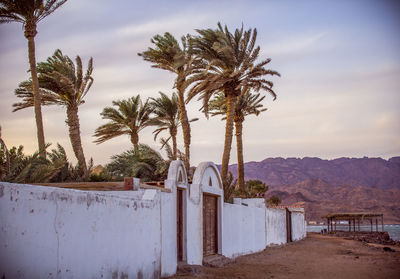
(338, 94)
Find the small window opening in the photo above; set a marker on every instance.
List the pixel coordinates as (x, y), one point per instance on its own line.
(180, 178)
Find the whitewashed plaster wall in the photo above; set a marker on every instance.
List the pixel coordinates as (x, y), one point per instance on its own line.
(244, 228)
(275, 226)
(63, 233)
(298, 225)
(255, 202)
(177, 177)
(168, 234)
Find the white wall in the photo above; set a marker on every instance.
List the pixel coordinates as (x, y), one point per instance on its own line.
(50, 232)
(298, 226)
(255, 202)
(275, 226)
(205, 173)
(194, 228)
(168, 234)
(244, 228)
(62, 233)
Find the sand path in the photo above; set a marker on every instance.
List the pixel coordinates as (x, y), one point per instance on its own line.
(317, 256)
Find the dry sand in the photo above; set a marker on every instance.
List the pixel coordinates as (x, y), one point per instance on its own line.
(317, 256)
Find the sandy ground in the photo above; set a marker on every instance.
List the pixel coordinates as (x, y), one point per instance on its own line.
(317, 256)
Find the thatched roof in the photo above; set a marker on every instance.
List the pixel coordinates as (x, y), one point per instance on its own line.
(352, 215)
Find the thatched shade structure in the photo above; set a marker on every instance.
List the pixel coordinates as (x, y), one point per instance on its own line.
(352, 218)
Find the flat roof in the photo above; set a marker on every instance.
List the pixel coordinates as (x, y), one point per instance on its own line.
(350, 215)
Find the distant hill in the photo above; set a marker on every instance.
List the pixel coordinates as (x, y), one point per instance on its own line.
(365, 171)
(326, 186)
(321, 198)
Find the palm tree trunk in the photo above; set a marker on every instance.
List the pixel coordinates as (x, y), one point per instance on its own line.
(185, 128)
(135, 142)
(75, 137)
(230, 113)
(30, 33)
(239, 146)
(173, 133)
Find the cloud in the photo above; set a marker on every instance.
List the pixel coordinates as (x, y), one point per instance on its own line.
(294, 45)
(179, 23)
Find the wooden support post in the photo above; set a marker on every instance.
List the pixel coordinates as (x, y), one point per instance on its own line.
(376, 223)
(330, 225)
(371, 223)
(327, 220)
(349, 225)
(358, 223)
(383, 229)
(354, 225)
(335, 225)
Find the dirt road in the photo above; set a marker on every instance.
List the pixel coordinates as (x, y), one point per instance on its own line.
(317, 256)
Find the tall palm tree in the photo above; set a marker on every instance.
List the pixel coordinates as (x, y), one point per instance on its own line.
(169, 55)
(246, 104)
(232, 69)
(62, 83)
(29, 13)
(130, 117)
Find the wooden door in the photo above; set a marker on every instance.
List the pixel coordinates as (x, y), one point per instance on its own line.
(179, 223)
(288, 226)
(210, 225)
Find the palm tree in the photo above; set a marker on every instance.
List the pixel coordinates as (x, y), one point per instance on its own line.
(130, 117)
(166, 113)
(168, 149)
(169, 55)
(7, 155)
(144, 163)
(34, 169)
(62, 83)
(29, 13)
(54, 169)
(232, 69)
(246, 104)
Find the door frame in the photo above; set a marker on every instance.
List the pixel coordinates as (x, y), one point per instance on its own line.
(216, 224)
(289, 237)
(182, 188)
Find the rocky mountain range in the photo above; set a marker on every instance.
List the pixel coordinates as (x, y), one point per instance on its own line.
(326, 186)
(342, 171)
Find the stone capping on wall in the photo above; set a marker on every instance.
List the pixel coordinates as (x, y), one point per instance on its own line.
(291, 208)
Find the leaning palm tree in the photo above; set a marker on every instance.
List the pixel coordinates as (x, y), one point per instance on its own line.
(246, 104)
(232, 68)
(169, 55)
(62, 83)
(29, 13)
(130, 117)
